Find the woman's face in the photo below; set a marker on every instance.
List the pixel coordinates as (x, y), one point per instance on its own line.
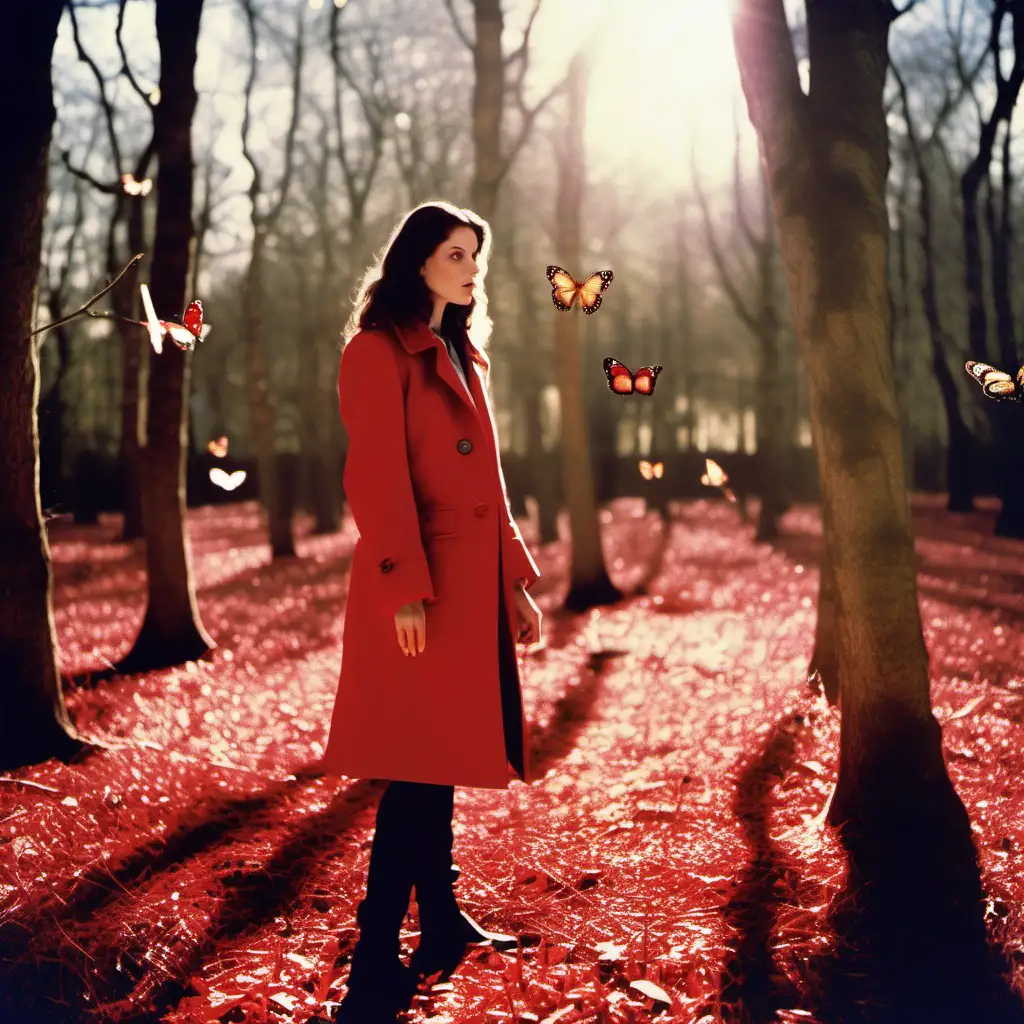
(451, 268)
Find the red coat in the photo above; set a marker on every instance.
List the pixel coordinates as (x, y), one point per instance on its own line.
(423, 479)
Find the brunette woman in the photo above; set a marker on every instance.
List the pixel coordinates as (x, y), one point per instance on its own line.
(429, 696)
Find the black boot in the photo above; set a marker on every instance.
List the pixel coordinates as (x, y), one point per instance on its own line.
(445, 929)
(379, 984)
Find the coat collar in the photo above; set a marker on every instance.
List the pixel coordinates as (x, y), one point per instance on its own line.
(418, 337)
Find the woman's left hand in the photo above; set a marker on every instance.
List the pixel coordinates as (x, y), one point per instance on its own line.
(528, 616)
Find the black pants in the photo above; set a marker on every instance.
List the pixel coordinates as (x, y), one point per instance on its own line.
(412, 846)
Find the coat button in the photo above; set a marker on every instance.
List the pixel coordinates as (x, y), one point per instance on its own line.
(387, 565)
(481, 509)
(465, 446)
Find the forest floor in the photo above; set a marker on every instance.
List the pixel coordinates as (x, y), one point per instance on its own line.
(191, 871)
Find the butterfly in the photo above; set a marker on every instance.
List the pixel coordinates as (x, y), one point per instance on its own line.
(229, 481)
(567, 288)
(219, 448)
(624, 382)
(132, 187)
(715, 476)
(651, 471)
(184, 334)
(996, 383)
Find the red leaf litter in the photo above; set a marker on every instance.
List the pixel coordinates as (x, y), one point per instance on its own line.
(193, 872)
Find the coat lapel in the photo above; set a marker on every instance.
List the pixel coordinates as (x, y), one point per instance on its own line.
(419, 338)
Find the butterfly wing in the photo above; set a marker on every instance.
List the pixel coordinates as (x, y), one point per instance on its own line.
(659, 470)
(132, 187)
(227, 481)
(193, 318)
(590, 290)
(645, 377)
(156, 334)
(564, 288)
(716, 476)
(646, 469)
(994, 382)
(219, 448)
(620, 380)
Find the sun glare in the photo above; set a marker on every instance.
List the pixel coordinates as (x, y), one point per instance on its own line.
(663, 74)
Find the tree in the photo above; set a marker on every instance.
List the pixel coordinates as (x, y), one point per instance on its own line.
(35, 725)
(274, 467)
(905, 830)
(1006, 427)
(125, 298)
(491, 66)
(589, 581)
(961, 445)
(172, 631)
(773, 429)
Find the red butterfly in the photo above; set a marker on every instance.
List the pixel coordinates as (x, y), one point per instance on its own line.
(184, 334)
(624, 382)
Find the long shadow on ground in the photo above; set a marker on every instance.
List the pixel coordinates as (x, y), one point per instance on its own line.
(53, 990)
(910, 937)
(753, 986)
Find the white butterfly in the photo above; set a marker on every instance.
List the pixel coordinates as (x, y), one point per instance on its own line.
(136, 188)
(715, 476)
(229, 481)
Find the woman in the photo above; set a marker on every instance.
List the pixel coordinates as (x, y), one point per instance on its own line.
(429, 695)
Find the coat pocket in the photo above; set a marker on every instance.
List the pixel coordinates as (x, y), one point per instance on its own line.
(438, 523)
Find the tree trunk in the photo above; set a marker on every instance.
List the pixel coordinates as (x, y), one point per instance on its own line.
(261, 412)
(910, 931)
(1008, 427)
(52, 410)
(827, 177)
(773, 450)
(488, 107)
(172, 631)
(823, 669)
(35, 724)
(134, 364)
(590, 584)
(1008, 87)
(961, 447)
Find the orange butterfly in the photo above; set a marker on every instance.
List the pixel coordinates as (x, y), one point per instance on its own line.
(567, 288)
(219, 448)
(623, 382)
(997, 383)
(651, 471)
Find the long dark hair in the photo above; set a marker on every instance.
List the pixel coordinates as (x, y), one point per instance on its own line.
(393, 290)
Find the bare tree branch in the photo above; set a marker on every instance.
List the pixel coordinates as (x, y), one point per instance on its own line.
(459, 30)
(99, 295)
(737, 185)
(731, 290)
(272, 215)
(125, 68)
(87, 177)
(520, 52)
(898, 12)
(101, 83)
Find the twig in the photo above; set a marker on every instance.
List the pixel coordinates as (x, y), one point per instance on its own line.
(99, 295)
(116, 316)
(26, 782)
